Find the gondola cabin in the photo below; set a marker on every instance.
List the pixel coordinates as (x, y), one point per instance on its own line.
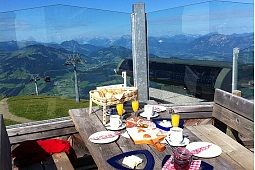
(47, 79)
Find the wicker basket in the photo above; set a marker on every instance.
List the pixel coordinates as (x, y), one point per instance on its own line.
(128, 93)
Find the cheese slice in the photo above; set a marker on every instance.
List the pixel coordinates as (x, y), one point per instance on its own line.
(132, 161)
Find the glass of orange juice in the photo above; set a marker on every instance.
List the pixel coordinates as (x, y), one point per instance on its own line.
(135, 106)
(120, 109)
(175, 119)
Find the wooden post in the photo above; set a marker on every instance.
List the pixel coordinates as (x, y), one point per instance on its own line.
(235, 69)
(5, 147)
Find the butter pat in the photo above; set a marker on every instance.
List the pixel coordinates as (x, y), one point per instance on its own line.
(132, 161)
(165, 123)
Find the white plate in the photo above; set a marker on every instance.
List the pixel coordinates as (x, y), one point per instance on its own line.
(183, 143)
(107, 140)
(158, 108)
(210, 152)
(107, 126)
(143, 114)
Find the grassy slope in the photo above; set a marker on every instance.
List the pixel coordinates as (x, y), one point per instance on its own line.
(43, 107)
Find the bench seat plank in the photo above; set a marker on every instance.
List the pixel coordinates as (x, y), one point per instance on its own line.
(62, 161)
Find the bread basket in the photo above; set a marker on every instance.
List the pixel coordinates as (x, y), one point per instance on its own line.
(107, 96)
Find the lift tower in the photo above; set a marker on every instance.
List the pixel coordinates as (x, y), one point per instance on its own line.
(74, 59)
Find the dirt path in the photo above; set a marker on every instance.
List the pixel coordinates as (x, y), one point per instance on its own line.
(7, 115)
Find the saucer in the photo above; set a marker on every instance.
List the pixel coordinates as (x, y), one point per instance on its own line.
(122, 126)
(183, 143)
(145, 115)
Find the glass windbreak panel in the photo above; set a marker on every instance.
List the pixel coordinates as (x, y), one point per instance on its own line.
(191, 47)
(245, 65)
(49, 42)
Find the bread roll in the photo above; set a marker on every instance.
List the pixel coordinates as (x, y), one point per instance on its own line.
(104, 90)
(108, 94)
(99, 94)
(119, 91)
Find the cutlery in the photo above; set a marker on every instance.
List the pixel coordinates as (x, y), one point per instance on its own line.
(172, 148)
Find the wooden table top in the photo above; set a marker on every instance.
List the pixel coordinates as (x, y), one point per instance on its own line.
(234, 155)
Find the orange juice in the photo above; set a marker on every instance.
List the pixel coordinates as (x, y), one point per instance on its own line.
(135, 105)
(175, 119)
(120, 108)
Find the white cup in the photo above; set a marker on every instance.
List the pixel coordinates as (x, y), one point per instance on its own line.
(115, 121)
(175, 135)
(148, 109)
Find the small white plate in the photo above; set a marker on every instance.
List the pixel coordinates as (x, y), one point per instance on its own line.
(108, 126)
(145, 115)
(107, 140)
(183, 143)
(210, 152)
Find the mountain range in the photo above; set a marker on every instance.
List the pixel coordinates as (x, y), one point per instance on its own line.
(20, 60)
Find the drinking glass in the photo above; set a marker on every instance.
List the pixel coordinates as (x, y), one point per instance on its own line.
(135, 106)
(119, 108)
(175, 119)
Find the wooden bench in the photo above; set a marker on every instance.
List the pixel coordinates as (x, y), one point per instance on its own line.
(15, 134)
(236, 112)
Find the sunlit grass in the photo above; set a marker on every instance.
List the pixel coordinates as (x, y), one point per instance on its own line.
(43, 107)
(8, 122)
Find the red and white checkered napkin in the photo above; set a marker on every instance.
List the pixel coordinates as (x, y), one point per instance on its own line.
(110, 135)
(169, 165)
(198, 150)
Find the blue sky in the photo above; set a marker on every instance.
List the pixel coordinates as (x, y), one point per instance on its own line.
(60, 23)
(114, 5)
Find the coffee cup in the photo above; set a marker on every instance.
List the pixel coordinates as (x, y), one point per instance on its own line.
(175, 135)
(148, 110)
(115, 121)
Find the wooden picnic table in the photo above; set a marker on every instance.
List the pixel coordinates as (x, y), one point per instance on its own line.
(233, 156)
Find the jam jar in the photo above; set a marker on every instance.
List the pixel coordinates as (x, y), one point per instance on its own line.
(182, 158)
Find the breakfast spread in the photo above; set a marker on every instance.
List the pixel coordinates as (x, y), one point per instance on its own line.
(132, 161)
